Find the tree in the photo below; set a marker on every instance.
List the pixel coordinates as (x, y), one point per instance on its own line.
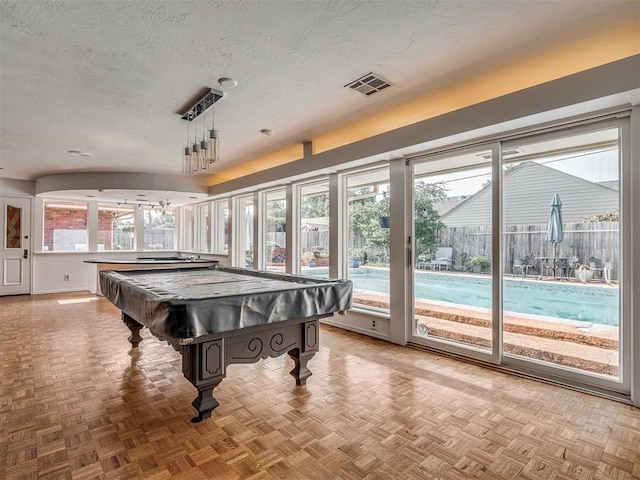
(361, 209)
(276, 216)
(315, 206)
(364, 215)
(156, 219)
(366, 220)
(603, 217)
(427, 219)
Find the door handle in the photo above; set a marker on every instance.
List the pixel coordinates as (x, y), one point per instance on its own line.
(26, 253)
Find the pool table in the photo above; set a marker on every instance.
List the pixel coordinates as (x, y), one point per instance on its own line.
(219, 316)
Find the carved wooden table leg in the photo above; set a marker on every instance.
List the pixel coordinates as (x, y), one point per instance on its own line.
(300, 372)
(135, 328)
(205, 402)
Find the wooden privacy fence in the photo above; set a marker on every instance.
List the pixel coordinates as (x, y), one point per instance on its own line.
(307, 239)
(154, 239)
(310, 239)
(581, 240)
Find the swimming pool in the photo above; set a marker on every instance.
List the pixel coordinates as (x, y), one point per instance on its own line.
(549, 299)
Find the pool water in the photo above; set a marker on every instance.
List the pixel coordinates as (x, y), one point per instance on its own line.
(555, 300)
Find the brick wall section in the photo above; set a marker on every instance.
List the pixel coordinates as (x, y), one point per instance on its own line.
(76, 219)
(105, 229)
(62, 218)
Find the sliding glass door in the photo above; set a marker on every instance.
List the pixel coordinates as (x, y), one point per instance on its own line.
(517, 252)
(453, 252)
(562, 251)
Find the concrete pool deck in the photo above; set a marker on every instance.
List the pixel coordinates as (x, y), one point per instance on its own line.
(582, 345)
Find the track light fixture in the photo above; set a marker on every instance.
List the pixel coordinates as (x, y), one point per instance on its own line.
(146, 203)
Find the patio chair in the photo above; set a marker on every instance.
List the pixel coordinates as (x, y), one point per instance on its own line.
(518, 267)
(521, 266)
(442, 260)
(573, 264)
(598, 267)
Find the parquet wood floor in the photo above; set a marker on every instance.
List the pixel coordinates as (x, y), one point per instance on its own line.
(77, 403)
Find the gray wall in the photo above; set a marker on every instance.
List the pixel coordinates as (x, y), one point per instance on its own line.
(528, 191)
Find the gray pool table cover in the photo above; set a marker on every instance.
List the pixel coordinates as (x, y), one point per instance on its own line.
(191, 303)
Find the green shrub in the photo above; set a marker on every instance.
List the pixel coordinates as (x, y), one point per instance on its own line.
(478, 260)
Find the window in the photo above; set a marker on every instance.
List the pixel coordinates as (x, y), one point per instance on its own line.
(116, 227)
(65, 226)
(201, 228)
(186, 228)
(314, 229)
(13, 227)
(220, 226)
(368, 237)
(275, 246)
(159, 229)
(243, 230)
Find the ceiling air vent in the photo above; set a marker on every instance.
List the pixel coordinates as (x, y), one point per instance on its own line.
(368, 84)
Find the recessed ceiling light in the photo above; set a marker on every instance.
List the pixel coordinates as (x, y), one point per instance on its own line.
(227, 82)
(78, 153)
(266, 131)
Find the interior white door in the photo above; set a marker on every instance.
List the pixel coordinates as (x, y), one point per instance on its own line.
(15, 218)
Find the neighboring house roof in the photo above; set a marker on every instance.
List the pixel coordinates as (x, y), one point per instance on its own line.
(527, 190)
(613, 184)
(443, 206)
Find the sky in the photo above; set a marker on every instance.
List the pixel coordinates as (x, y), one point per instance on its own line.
(594, 167)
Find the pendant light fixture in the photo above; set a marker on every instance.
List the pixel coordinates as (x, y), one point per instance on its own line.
(200, 155)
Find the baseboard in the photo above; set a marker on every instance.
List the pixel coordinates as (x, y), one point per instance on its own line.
(352, 328)
(66, 290)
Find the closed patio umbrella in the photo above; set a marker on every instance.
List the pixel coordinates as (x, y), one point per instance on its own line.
(555, 233)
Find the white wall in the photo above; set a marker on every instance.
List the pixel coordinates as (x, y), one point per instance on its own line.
(49, 270)
(366, 323)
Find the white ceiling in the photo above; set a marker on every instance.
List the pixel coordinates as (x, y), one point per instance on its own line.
(108, 77)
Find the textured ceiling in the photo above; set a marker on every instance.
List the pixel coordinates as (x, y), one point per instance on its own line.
(108, 77)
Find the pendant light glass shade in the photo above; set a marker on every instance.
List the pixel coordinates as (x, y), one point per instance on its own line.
(214, 145)
(195, 158)
(195, 148)
(186, 160)
(204, 155)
